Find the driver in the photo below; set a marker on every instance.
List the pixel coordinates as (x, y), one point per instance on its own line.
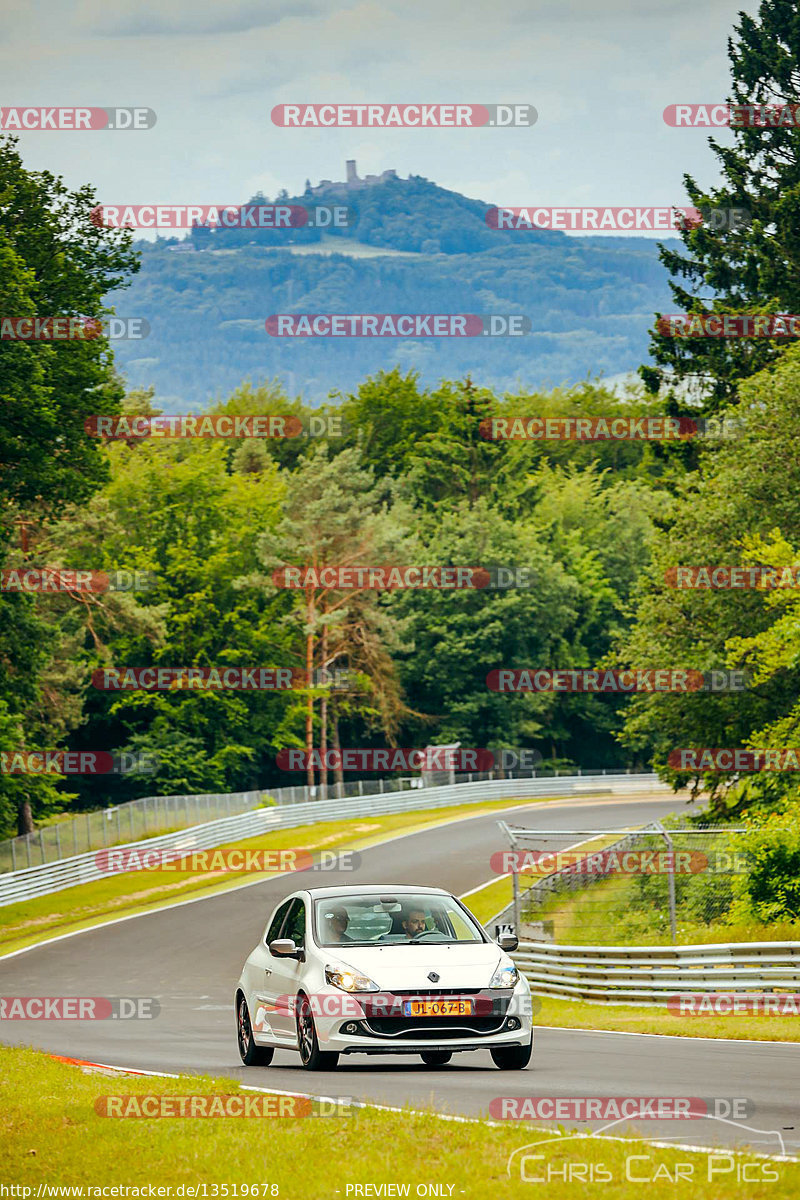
(414, 922)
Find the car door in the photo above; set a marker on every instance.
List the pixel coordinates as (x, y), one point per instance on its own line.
(262, 996)
(288, 972)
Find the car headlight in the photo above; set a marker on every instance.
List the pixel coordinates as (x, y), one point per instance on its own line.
(349, 980)
(504, 977)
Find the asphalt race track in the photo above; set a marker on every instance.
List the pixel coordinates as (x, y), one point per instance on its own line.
(190, 956)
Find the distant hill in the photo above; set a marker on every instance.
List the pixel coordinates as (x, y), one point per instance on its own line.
(590, 300)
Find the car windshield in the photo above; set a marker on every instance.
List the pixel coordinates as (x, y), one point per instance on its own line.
(410, 919)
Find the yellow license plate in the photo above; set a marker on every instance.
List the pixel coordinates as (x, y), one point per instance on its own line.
(437, 1008)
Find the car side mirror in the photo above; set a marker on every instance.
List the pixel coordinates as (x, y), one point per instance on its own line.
(284, 948)
(508, 942)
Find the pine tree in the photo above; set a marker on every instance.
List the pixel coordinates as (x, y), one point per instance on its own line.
(743, 265)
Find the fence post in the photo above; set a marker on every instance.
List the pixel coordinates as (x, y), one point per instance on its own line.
(13, 854)
(517, 912)
(670, 881)
(41, 843)
(58, 841)
(28, 844)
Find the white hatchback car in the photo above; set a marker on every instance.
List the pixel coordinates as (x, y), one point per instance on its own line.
(381, 970)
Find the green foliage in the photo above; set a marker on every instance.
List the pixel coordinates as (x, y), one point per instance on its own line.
(54, 262)
(754, 268)
(770, 891)
(727, 513)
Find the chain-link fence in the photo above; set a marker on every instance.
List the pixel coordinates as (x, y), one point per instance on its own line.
(138, 819)
(643, 886)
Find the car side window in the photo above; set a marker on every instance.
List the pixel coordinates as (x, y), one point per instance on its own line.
(277, 921)
(295, 927)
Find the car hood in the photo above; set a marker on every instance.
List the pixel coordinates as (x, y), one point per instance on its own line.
(407, 966)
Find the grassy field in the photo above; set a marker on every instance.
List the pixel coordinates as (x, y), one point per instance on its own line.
(52, 1134)
(122, 894)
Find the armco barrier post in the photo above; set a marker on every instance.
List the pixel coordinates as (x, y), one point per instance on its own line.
(517, 912)
(670, 880)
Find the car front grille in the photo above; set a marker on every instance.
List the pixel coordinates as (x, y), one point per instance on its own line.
(388, 1020)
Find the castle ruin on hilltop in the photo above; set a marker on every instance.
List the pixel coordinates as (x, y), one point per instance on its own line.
(352, 183)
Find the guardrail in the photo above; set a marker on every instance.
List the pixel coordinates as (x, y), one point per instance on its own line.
(118, 824)
(83, 868)
(649, 975)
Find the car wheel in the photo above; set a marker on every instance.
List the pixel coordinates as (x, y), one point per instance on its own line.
(435, 1058)
(512, 1058)
(250, 1054)
(312, 1058)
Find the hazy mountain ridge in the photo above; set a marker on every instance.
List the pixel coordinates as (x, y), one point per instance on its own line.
(590, 300)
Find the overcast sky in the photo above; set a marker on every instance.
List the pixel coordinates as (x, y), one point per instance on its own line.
(599, 72)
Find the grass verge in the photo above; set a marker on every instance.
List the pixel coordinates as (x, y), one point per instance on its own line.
(52, 1135)
(579, 1014)
(488, 901)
